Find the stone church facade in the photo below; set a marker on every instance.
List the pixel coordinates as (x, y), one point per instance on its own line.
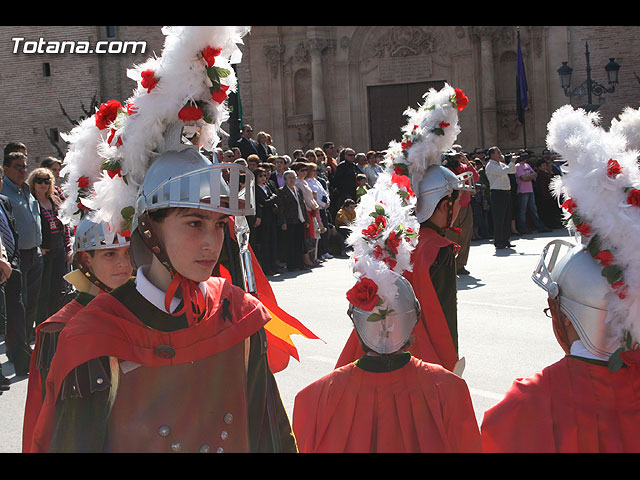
(306, 85)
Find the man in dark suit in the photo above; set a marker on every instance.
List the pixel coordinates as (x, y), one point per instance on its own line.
(18, 350)
(344, 180)
(264, 227)
(292, 220)
(246, 144)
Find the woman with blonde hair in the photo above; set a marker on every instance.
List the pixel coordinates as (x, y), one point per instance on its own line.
(56, 243)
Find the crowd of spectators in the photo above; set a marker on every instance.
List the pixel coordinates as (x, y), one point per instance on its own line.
(303, 200)
(304, 204)
(35, 251)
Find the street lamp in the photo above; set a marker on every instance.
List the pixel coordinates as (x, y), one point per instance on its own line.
(590, 86)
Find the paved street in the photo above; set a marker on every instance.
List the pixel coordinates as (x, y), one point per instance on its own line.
(503, 331)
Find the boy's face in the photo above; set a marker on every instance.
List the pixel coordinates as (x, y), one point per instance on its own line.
(193, 239)
(112, 266)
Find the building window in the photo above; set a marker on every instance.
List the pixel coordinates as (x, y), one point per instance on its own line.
(111, 32)
(46, 69)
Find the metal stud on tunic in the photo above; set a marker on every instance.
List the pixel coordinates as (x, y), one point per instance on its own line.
(164, 431)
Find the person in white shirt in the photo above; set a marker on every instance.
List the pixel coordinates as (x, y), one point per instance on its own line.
(497, 172)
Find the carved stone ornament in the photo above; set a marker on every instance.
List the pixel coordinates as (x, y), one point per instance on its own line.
(274, 57)
(403, 41)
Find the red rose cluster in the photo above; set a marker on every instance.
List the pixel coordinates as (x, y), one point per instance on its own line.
(107, 113)
(364, 295)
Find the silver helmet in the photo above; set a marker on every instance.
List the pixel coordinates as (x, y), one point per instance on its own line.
(388, 334)
(187, 179)
(569, 273)
(438, 182)
(90, 235)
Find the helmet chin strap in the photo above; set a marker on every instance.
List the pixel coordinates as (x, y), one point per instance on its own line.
(92, 278)
(192, 297)
(449, 226)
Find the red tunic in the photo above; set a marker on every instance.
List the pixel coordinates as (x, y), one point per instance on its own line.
(107, 328)
(571, 406)
(419, 407)
(55, 323)
(432, 338)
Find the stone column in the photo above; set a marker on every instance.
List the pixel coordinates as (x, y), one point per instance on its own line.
(488, 85)
(316, 46)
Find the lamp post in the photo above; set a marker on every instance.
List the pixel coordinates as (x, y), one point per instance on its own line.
(591, 86)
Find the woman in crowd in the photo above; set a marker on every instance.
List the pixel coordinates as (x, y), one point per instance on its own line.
(56, 244)
(319, 187)
(312, 233)
(264, 227)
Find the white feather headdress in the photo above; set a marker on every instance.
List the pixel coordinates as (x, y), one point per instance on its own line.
(188, 83)
(385, 230)
(601, 189)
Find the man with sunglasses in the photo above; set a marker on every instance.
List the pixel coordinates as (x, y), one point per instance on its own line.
(26, 211)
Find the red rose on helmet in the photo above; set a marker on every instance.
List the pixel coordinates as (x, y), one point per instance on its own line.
(569, 205)
(221, 94)
(461, 100)
(107, 113)
(364, 295)
(403, 182)
(392, 243)
(83, 182)
(584, 228)
(209, 54)
(605, 257)
(634, 198)
(149, 80)
(613, 168)
(190, 113)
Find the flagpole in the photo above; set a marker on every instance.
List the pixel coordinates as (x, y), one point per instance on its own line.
(521, 91)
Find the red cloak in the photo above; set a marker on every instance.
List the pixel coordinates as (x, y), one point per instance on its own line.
(55, 323)
(432, 339)
(571, 406)
(419, 407)
(106, 327)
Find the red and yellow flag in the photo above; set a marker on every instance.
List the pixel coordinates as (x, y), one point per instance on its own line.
(281, 326)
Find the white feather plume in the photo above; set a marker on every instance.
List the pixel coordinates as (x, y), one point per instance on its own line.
(600, 197)
(81, 160)
(182, 79)
(628, 125)
(431, 129)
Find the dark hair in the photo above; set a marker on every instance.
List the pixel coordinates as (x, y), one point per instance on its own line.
(491, 150)
(13, 147)
(348, 201)
(161, 214)
(47, 162)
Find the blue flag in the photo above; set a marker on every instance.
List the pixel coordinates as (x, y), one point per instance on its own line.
(521, 85)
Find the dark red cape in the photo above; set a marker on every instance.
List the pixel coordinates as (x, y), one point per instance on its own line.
(571, 406)
(106, 327)
(420, 407)
(34, 389)
(433, 342)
